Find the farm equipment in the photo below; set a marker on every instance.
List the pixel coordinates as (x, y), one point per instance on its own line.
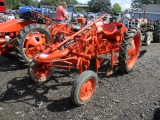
(9, 30)
(13, 39)
(78, 49)
(146, 28)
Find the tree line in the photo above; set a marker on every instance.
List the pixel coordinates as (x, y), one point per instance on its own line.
(15, 4)
(94, 5)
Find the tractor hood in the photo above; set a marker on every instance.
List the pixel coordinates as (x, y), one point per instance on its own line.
(14, 25)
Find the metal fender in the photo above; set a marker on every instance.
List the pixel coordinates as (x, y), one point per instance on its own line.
(48, 57)
(14, 25)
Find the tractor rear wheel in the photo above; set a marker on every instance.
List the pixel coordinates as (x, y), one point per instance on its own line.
(84, 88)
(39, 72)
(156, 33)
(129, 50)
(9, 55)
(31, 41)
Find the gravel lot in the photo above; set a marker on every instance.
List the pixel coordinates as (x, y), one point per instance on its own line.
(133, 96)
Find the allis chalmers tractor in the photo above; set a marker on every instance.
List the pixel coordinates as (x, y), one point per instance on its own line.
(9, 30)
(69, 49)
(12, 37)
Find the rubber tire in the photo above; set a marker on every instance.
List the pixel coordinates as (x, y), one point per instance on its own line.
(10, 55)
(32, 75)
(123, 50)
(156, 33)
(148, 38)
(83, 77)
(21, 40)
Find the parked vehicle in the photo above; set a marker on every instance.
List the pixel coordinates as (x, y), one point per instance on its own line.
(78, 14)
(2, 17)
(46, 11)
(89, 15)
(74, 14)
(2, 6)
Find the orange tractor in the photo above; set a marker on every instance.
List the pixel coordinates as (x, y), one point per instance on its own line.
(9, 30)
(68, 49)
(13, 37)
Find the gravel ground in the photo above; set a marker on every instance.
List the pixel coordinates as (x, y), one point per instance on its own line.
(133, 96)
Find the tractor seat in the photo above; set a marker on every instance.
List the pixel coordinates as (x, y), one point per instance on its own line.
(107, 29)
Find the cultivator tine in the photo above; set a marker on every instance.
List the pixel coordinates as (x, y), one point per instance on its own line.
(109, 71)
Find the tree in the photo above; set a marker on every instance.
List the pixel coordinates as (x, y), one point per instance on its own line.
(117, 8)
(96, 5)
(58, 2)
(156, 1)
(46, 2)
(35, 3)
(13, 4)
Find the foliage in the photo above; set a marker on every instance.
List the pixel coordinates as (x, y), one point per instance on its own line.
(58, 2)
(116, 8)
(96, 5)
(156, 1)
(15, 4)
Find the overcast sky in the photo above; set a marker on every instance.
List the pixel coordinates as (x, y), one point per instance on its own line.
(123, 3)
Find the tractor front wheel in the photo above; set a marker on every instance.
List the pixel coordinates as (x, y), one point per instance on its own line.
(148, 38)
(84, 88)
(129, 51)
(31, 41)
(39, 72)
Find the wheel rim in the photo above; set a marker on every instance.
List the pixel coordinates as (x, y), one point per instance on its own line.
(34, 44)
(41, 70)
(133, 51)
(87, 89)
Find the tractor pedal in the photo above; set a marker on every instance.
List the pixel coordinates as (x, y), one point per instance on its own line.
(109, 71)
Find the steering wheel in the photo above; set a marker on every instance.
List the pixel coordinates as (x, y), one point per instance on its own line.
(105, 10)
(73, 20)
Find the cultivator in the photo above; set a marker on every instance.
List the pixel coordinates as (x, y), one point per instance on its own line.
(69, 49)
